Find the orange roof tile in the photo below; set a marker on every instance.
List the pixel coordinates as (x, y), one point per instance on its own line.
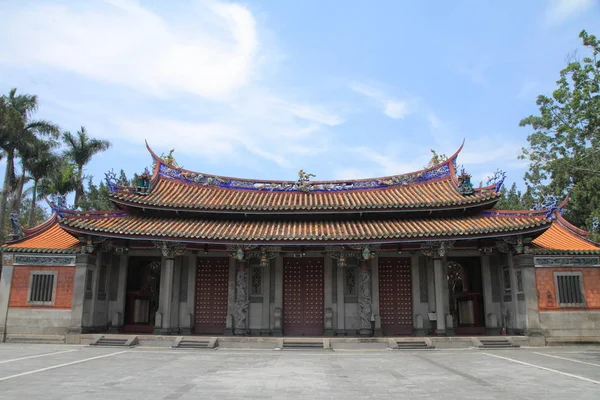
(180, 189)
(173, 194)
(53, 239)
(282, 231)
(561, 239)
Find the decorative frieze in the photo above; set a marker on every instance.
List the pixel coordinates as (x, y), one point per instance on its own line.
(437, 249)
(572, 261)
(7, 259)
(303, 184)
(23, 259)
(170, 249)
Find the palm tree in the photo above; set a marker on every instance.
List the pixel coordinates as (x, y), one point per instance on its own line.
(61, 180)
(17, 133)
(80, 150)
(40, 166)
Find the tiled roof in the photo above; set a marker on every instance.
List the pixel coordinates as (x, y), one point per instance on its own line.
(53, 239)
(281, 231)
(560, 239)
(176, 188)
(172, 194)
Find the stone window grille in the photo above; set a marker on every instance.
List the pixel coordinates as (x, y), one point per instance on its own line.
(569, 289)
(89, 283)
(256, 286)
(42, 288)
(519, 282)
(506, 280)
(102, 283)
(350, 281)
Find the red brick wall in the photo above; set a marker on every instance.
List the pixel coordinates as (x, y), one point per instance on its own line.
(65, 277)
(544, 278)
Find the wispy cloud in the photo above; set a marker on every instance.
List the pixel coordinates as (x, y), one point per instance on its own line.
(560, 10)
(189, 79)
(123, 43)
(392, 107)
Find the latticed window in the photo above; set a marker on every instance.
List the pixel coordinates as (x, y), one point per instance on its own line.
(256, 281)
(350, 287)
(41, 288)
(569, 289)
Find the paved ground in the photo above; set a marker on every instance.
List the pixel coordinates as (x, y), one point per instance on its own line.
(76, 372)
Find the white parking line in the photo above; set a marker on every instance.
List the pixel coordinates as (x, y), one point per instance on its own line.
(36, 356)
(543, 368)
(60, 365)
(568, 359)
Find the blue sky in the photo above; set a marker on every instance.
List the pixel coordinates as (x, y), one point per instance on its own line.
(260, 89)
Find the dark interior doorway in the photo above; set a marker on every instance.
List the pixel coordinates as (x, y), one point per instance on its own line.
(466, 295)
(143, 288)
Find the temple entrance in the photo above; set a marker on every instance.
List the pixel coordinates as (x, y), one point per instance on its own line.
(211, 295)
(466, 295)
(141, 303)
(395, 296)
(303, 296)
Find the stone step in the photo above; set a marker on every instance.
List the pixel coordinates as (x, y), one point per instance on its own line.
(36, 339)
(302, 345)
(111, 342)
(412, 345)
(193, 344)
(497, 344)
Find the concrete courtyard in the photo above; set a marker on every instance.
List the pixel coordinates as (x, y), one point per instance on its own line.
(29, 371)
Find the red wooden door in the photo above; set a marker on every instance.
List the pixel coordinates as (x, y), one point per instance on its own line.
(303, 296)
(395, 296)
(211, 295)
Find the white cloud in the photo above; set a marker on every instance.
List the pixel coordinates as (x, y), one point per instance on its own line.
(123, 43)
(560, 10)
(392, 107)
(188, 79)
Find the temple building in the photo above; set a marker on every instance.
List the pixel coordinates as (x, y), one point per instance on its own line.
(188, 253)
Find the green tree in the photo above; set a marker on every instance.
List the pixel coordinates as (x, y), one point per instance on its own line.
(62, 179)
(40, 166)
(564, 148)
(17, 131)
(80, 150)
(96, 197)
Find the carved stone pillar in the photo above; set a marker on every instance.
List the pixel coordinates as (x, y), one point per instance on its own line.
(364, 299)
(241, 300)
(169, 251)
(438, 251)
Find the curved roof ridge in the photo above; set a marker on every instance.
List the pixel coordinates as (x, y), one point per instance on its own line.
(42, 226)
(450, 162)
(583, 234)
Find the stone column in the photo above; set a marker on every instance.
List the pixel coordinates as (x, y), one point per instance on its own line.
(5, 286)
(491, 319)
(163, 322)
(82, 263)
(174, 322)
(278, 301)
(364, 299)
(438, 270)
(266, 305)
(341, 308)
(525, 263)
(241, 300)
(375, 288)
(191, 296)
(430, 285)
(90, 324)
(169, 250)
(118, 318)
(230, 298)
